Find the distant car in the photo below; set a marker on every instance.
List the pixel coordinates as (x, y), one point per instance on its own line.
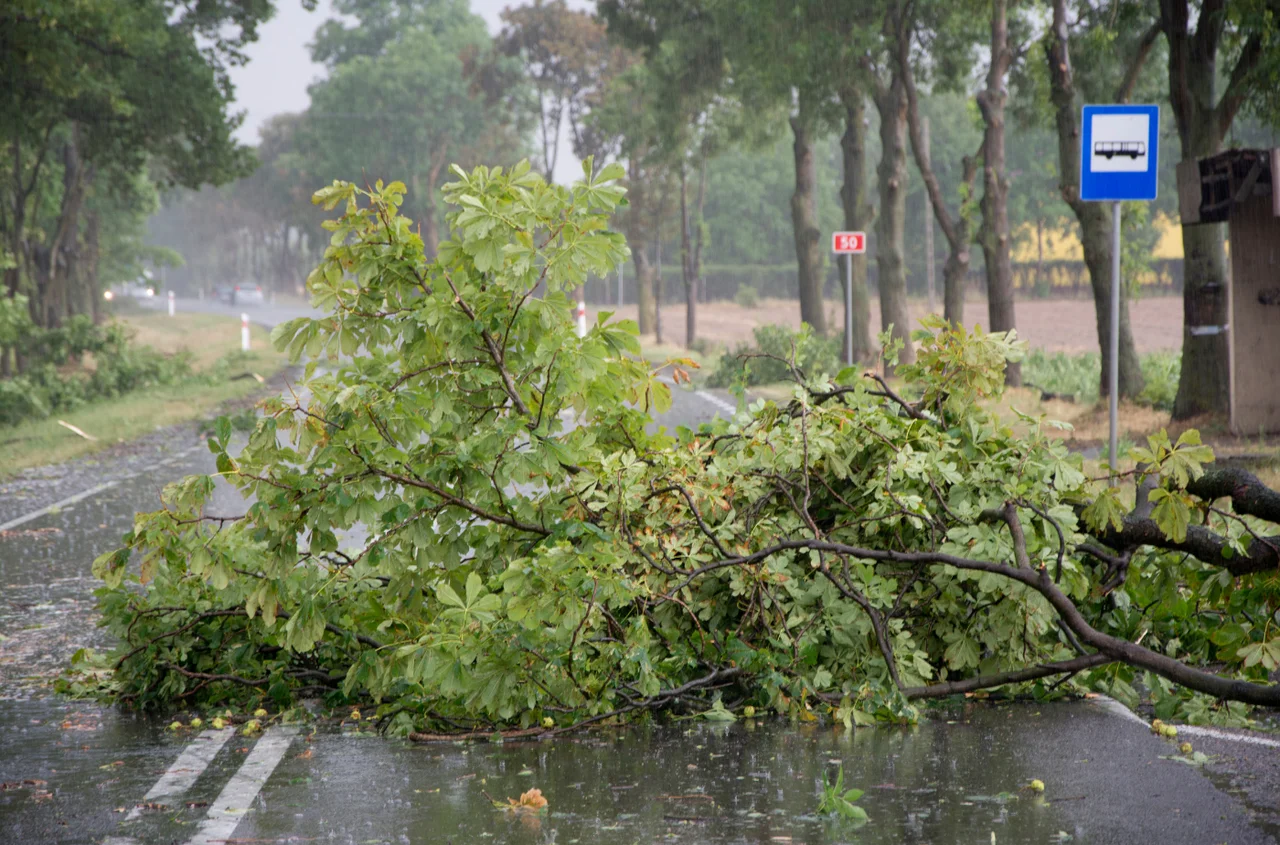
(132, 290)
(240, 294)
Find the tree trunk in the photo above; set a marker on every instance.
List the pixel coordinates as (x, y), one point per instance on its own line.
(638, 238)
(958, 230)
(1095, 221)
(1203, 120)
(858, 213)
(804, 219)
(995, 239)
(687, 273)
(657, 285)
(91, 253)
(891, 175)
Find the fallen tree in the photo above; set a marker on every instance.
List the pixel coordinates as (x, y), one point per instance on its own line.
(471, 522)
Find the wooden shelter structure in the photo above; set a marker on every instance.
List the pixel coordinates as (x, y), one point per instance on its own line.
(1242, 189)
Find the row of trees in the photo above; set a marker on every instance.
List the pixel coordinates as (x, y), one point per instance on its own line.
(806, 63)
(104, 102)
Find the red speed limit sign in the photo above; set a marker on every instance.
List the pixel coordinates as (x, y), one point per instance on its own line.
(843, 243)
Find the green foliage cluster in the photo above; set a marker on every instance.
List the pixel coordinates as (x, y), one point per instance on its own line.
(747, 296)
(1077, 375)
(48, 385)
(473, 522)
(775, 356)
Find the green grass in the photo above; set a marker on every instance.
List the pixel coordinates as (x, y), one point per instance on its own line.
(40, 442)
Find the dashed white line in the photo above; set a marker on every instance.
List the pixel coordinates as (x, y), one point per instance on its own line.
(190, 764)
(727, 407)
(70, 500)
(92, 491)
(238, 794)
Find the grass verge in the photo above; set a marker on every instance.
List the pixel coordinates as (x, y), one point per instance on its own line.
(209, 338)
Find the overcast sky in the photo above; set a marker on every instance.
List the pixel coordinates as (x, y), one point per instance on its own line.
(279, 70)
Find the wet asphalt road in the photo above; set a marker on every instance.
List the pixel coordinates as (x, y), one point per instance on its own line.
(73, 772)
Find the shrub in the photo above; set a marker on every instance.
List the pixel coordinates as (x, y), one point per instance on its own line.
(769, 358)
(747, 295)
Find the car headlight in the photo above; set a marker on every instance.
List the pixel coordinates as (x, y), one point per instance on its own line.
(151, 291)
(106, 294)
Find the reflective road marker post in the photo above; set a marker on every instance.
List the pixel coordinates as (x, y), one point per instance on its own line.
(244, 332)
(171, 303)
(1119, 160)
(848, 244)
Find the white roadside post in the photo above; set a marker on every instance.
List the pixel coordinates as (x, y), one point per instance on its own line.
(171, 304)
(582, 318)
(848, 244)
(1119, 160)
(244, 332)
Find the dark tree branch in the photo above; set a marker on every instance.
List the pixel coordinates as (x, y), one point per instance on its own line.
(1139, 60)
(1000, 679)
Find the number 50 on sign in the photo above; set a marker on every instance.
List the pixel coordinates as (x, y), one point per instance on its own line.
(848, 243)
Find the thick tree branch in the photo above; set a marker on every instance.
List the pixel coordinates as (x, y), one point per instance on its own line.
(1044, 670)
(1125, 90)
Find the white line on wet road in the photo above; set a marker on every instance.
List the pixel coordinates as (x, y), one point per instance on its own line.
(243, 788)
(1118, 709)
(92, 491)
(190, 764)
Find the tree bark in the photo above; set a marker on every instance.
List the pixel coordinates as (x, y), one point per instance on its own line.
(994, 237)
(53, 261)
(891, 177)
(638, 237)
(804, 219)
(958, 230)
(1094, 218)
(858, 212)
(92, 230)
(687, 274)
(1203, 120)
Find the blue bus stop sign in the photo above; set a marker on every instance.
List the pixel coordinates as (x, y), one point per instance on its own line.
(1119, 153)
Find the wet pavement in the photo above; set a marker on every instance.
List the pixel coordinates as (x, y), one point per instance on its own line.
(72, 772)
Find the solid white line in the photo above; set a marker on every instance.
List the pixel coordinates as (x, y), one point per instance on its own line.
(93, 491)
(191, 763)
(238, 794)
(1115, 707)
(70, 500)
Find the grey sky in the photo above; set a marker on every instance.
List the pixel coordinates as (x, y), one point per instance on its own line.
(279, 70)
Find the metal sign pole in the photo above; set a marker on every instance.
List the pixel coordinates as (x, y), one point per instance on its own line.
(848, 310)
(1113, 374)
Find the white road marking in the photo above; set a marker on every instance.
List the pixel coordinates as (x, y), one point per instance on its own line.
(70, 500)
(1116, 708)
(727, 407)
(93, 491)
(705, 396)
(190, 764)
(233, 803)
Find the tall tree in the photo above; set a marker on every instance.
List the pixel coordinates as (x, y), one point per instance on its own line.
(994, 234)
(890, 97)
(952, 43)
(568, 58)
(94, 94)
(1094, 217)
(1195, 34)
(431, 95)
